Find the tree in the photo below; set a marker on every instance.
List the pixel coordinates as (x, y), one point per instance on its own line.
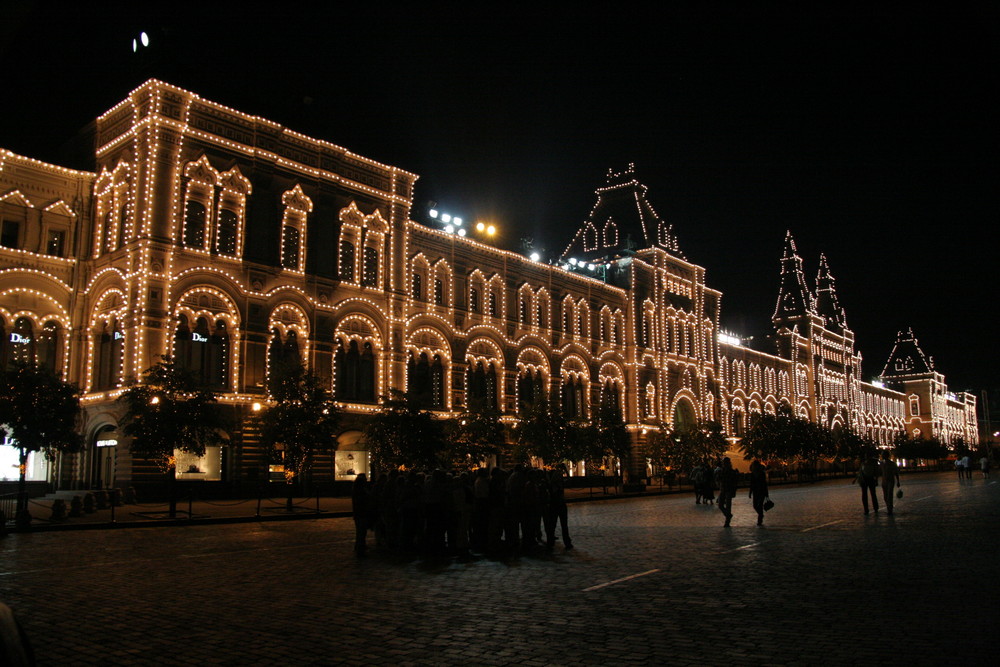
(786, 437)
(402, 434)
(612, 438)
(170, 411)
(701, 441)
(908, 447)
(302, 420)
(39, 411)
(658, 445)
(546, 434)
(474, 436)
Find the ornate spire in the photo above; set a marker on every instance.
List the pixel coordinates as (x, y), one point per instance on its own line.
(794, 298)
(826, 297)
(621, 212)
(907, 358)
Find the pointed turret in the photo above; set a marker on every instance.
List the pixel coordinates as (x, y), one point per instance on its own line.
(826, 298)
(906, 358)
(621, 222)
(794, 298)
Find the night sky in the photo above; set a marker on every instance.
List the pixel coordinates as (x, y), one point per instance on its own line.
(871, 135)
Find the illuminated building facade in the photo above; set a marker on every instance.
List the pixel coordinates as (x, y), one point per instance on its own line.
(232, 243)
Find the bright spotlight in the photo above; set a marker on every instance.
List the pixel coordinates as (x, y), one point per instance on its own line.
(144, 38)
(535, 257)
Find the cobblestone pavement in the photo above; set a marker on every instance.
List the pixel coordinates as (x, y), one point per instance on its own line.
(652, 580)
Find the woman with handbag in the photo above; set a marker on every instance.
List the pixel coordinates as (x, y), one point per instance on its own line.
(758, 489)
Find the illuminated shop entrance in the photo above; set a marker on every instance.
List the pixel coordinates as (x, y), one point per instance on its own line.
(104, 461)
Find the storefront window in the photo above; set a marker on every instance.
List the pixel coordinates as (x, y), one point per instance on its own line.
(10, 459)
(351, 459)
(207, 468)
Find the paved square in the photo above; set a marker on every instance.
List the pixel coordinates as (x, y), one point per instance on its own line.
(653, 580)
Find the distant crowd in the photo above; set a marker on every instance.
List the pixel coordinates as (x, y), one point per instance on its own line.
(435, 513)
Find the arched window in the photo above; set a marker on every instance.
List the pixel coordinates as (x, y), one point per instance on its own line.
(530, 388)
(438, 292)
(290, 239)
(293, 228)
(522, 309)
(347, 261)
(50, 346)
(417, 287)
(426, 381)
(108, 345)
(474, 300)
(369, 273)
(283, 355)
(22, 340)
(573, 398)
(225, 242)
(204, 351)
(481, 386)
(122, 219)
(354, 372)
(494, 310)
(195, 214)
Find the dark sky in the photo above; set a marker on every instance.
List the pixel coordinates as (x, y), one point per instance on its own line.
(871, 135)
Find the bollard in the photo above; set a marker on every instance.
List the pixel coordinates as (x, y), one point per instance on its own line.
(76, 507)
(101, 498)
(58, 510)
(88, 503)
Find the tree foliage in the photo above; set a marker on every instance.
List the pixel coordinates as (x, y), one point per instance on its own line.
(908, 447)
(402, 434)
(786, 437)
(474, 436)
(39, 411)
(170, 410)
(612, 438)
(545, 433)
(302, 420)
(688, 446)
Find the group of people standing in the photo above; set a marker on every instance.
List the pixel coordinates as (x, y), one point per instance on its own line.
(706, 479)
(437, 513)
(964, 465)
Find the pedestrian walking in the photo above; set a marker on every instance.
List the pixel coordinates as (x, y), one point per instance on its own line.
(890, 478)
(758, 489)
(984, 466)
(708, 483)
(360, 507)
(697, 481)
(556, 511)
(728, 481)
(867, 479)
